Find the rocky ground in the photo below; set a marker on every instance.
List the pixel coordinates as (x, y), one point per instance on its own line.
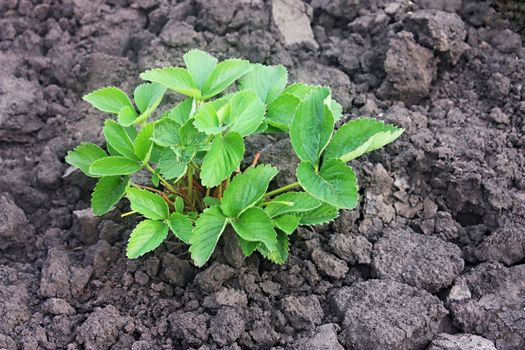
(432, 258)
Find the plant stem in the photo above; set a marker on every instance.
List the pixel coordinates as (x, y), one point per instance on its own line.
(190, 184)
(255, 159)
(281, 189)
(128, 214)
(164, 182)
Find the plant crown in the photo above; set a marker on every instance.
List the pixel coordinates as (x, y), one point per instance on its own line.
(194, 152)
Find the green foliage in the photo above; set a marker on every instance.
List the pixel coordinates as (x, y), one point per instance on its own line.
(222, 159)
(312, 126)
(360, 136)
(194, 152)
(247, 189)
(108, 191)
(84, 155)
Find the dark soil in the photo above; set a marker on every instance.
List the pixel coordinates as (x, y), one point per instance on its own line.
(433, 257)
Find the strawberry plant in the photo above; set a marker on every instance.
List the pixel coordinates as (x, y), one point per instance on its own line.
(193, 152)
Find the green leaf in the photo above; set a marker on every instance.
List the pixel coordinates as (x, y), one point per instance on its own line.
(287, 223)
(211, 201)
(222, 159)
(114, 165)
(247, 247)
(147, 236)
(147, 203)
(155, 180)
(181, 226)
(246, 113)
(156, 152)
(312, 126)
(148, 96)
(223, 75)
(299, 90)
(282, 110)
(266, 81)
(191, 136)
(166, 132)
(179, 205)
(109, 99)
(301, 202)
(118, 138)
(208, 229)
(337, 110)
(181, 112)
(279, 254)
(335, 184)
(360, 136)
(322, 215)
(174, 78)
(143, 144)
(206, 120)
(170, 165)
(108, 191)
(126, 116)
(246, 189)
(84, 155)
(200, 65)
(254, 225)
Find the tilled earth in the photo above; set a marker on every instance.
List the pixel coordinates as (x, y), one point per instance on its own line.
(432, 258)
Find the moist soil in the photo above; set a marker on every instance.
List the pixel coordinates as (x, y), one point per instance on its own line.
(432, 258)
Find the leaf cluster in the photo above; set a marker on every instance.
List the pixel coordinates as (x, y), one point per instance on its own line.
(194, 151)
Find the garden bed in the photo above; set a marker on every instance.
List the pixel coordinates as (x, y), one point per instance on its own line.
(431, 258)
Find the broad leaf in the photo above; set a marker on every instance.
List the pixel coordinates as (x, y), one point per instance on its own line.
(211, 201)
(170, 165)
(279, 254)
(118, 138)
(299, 90)
(147, 98)
(322, 215)
(179, 205)
(174, 78)
(109, 99)
(222, 159)
(181, 226)
(223, 75)
(246, 189)
(282, 110)
(246, 112)
(254, 225)
(147, 236)
(127, 116)
(84, 155)
(337, 109)
(335, 183)
(312, 126)
(191, 136)
(208, 229)
(200, 65)
(247, 247)
(181, 112)
(143, 144)
(147, 203)
(114, 165)
(360, 136)
(287, 223)
(108, 191)
(291, 202)
(165, 133)
(206, 120)
(266, 81)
